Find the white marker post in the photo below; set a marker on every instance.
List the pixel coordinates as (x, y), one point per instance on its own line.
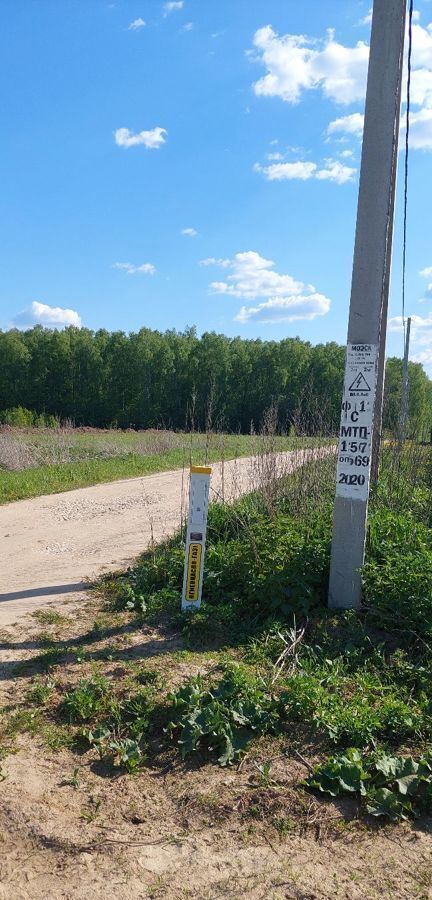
(199, 489)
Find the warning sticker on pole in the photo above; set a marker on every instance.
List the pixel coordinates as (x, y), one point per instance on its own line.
(355, 438)
(193, 572)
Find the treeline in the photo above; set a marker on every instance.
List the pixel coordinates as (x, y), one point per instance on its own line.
(177, 380)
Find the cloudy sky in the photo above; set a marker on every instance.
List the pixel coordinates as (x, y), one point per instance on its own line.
(196, 162)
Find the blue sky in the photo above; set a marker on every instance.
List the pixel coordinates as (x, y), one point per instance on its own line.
(196, 162)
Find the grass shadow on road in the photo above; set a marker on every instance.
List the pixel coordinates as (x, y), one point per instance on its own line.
(75, 650)
(47, 591)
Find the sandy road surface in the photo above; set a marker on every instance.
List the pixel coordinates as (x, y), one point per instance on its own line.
(50, 546)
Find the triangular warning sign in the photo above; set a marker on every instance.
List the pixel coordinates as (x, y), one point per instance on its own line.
(359, 383)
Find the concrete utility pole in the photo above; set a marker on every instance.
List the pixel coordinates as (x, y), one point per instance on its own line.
(369, 299)
(405, 389)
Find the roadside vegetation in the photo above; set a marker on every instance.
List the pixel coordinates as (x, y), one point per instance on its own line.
(263, 669)
(45, 460)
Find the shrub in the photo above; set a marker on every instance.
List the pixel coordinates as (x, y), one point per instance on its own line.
(221, 717)
(91, 698)
(397, 787)
(118, 724)
(40, 691)
(19, 417)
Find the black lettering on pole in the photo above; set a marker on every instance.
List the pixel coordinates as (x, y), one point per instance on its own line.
(355, 431)
(194, 571)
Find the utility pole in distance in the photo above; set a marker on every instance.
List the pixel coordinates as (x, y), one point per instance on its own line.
(405, 389)
(369, 297)
(380, 384)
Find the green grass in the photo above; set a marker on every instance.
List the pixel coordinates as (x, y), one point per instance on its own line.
(50, 479)
(353, 690)
(50, 617)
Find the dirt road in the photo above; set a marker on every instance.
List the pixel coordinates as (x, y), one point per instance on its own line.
(50, 546)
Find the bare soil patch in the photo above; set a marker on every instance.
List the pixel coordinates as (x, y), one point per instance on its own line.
(72, 828)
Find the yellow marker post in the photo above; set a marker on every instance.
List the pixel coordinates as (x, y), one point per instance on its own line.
(199, 488)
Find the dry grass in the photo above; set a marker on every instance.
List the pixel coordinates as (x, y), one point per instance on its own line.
(270, 470)
(26, 447)
(14, 454)
(50, 460)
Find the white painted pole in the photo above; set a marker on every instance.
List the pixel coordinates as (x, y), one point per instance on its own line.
(199, 489)
(368, 305)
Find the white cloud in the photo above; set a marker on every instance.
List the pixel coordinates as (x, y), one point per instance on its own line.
(188, 27)
(426, 273)
(418, 323)
(131, 269)
(424, 357)
(285, 309)
(285, 299)
(346, 154)
(150, 139)
(172, 6)
(49, 316)
(254, 276)
(352, 124)
(421, 86)
(295, 63)
(422, 46)
(332, 170)
(421, 130)
(336, 171)
(189, 232)
(212, 261)
(287, 171)
(136, 24)
(274, 157)
(367, 19)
